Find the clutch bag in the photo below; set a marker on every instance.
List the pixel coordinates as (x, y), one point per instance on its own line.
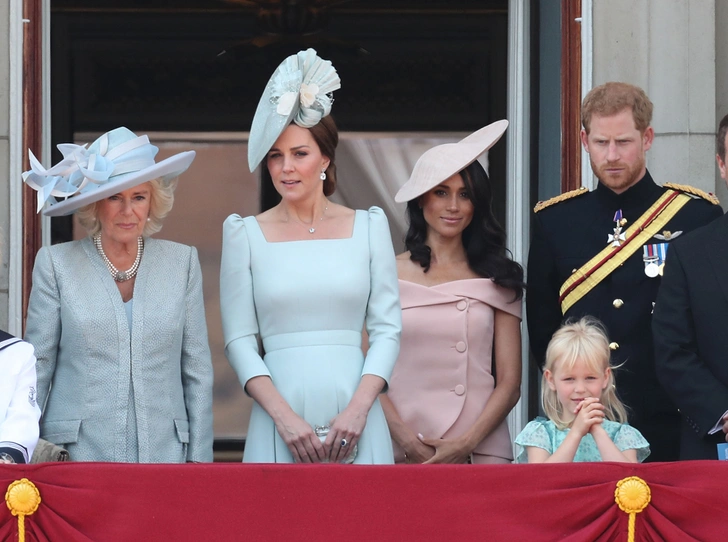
(322, 432)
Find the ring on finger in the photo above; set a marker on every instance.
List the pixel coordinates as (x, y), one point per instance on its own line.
(344, 442)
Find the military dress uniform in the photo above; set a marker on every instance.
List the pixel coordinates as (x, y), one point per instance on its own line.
(568, 232)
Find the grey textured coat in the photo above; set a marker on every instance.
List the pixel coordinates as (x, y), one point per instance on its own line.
(87, 357)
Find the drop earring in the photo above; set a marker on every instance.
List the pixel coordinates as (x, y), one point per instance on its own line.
(323, 175)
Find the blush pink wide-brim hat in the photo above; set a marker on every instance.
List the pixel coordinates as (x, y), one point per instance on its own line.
(440, 163)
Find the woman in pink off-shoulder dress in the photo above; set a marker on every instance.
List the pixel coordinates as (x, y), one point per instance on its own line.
(458, 374)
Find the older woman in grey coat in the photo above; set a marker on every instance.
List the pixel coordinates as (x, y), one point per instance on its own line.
(117, 318)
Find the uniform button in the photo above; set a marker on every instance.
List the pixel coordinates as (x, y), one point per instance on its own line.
(459, 389)
(613, 346)
(461, 346)
(462, 305)
(617, 303)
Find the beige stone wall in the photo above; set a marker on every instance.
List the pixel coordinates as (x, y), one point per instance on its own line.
(4, 156)
(721, 81)
(667, 47)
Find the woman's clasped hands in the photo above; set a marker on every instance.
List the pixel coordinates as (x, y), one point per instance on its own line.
(307, 447)
(442, 451)
(417, 451)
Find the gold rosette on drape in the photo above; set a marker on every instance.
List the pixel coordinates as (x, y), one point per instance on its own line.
(23, 499)
(632, 495)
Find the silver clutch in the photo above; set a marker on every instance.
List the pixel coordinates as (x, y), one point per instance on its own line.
(322, 431)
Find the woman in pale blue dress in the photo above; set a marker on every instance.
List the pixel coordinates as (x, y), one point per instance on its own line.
(307, 276)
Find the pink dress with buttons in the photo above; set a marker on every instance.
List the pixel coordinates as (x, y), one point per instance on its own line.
(443, 376)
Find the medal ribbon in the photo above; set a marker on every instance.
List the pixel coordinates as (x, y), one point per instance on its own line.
(656, 253)
(648, 253)
(662, 251)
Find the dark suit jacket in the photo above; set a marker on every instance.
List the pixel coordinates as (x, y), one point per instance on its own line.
(690, 328)
(565, 237)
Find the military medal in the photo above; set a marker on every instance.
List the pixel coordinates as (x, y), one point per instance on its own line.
(652, 269)
(654, 258)
(617, 237)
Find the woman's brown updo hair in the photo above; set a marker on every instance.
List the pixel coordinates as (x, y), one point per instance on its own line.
(326, 136)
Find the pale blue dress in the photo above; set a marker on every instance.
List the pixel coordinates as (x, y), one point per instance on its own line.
(309, 301)
(132, 440)
(543, 433)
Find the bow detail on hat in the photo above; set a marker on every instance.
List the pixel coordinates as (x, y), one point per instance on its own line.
(81, 167)
(304, 81)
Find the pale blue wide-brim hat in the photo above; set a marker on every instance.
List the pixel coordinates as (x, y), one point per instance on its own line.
(438, 164)
(300, 90)
(116, 161)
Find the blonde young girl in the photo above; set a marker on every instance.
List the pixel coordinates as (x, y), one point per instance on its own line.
(587, 422)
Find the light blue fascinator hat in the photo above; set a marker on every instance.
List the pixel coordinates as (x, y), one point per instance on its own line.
(116, 161)
(300, 91)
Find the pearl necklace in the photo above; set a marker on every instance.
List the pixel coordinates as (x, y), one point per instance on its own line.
(311, 229)
(120, 276)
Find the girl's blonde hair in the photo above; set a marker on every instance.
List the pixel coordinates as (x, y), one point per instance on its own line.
(586, 341)
(161, 201)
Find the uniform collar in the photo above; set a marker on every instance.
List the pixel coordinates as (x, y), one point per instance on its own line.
(643, 192)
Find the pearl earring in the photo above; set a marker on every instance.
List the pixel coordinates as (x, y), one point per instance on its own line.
(149, 219)
(323, 175)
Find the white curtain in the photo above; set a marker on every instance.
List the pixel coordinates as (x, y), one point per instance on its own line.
(372, 167)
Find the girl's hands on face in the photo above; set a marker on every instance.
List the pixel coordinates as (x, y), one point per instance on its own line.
(589, 413)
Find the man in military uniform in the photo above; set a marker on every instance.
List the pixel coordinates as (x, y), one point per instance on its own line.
(689, 327)
(601, 253)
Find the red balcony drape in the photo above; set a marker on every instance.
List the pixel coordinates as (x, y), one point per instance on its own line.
(572, 502)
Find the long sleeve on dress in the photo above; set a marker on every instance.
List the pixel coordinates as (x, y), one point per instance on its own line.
(384, 316)
(239, 320)
(196, 366)
(43, 326)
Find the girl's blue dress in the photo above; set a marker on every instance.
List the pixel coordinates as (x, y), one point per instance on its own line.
(543, 433)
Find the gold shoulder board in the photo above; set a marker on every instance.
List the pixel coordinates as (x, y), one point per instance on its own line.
(541, 205)
(691, 190)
